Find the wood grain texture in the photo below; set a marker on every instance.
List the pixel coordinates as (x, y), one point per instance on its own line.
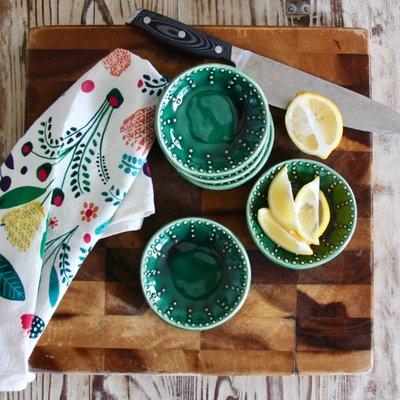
(381, 18)
(322, 317)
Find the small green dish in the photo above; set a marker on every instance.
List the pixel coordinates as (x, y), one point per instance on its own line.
(262, 157)
(212, 120)
(195, 273)
(342, 204)
(240, 178)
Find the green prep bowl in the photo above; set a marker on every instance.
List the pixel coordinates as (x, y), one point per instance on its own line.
(263, 155)
(240, 178)
(195, 273)
(342, 204)
(212, 120)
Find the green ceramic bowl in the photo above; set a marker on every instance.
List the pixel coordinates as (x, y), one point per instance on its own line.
(195, 273)
(212, 120)
(342, 205)
(240, 178)
(263, 155)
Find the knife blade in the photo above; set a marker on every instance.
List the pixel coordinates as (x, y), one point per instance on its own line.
(280, 82)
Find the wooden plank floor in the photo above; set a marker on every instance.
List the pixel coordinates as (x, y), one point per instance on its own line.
(382, 18)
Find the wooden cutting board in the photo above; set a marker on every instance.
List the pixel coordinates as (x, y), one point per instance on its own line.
(312, 321)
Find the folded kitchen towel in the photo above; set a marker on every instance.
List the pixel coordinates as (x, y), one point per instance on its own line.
(77, 175)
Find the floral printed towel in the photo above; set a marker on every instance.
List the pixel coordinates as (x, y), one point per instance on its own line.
(78, 174)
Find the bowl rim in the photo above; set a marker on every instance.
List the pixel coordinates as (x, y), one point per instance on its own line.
(246, 260)
(157, 126)
(236, 182)
(314, 264)
(267, 147)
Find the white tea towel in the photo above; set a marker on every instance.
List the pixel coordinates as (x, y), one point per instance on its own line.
(78, 174)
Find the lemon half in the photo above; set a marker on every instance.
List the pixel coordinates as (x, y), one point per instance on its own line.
(314, 123)
(280, 236)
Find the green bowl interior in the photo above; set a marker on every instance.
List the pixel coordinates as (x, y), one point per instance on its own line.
(195, 273)
(342, 206)
(212, 119)
(240, 178)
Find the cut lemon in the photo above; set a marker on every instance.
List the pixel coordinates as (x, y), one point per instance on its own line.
(307, 208)
(281, 202)
(324, 213)
(280, 236)
(314, 123)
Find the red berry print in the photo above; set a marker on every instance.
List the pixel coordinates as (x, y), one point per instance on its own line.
(114, 98)
(26, 321)
(140, 83)
(87, 86)
(58, 200)
(57, 197)
(87, 238)
(26, 148)
(33, 324)
(43, 171)
(113, 101)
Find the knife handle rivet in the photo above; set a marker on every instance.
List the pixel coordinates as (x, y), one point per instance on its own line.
(218, 49)
(146, 20)
(181, 34)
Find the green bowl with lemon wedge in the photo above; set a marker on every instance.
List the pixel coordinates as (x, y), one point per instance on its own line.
(338, 197)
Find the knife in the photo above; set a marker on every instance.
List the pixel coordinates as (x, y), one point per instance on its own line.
(279, 82)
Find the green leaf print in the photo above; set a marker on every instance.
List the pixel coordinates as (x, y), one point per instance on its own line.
(54, 287)
(20, 195)
(11, 287)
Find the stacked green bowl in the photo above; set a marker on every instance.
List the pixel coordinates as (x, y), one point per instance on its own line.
(214, 126)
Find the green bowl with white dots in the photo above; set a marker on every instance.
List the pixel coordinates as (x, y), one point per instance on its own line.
(212, 120)
(342, 205)
(236, 179)
(195, 273)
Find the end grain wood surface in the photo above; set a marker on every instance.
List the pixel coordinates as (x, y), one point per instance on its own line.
(382, 18)
(326, 323)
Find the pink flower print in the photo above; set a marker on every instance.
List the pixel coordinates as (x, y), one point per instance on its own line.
(89, 211)
(53, 223)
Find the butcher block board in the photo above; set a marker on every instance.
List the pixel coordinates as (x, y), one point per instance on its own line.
(310, 321)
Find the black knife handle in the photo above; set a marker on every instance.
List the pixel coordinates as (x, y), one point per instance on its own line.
(181, 37)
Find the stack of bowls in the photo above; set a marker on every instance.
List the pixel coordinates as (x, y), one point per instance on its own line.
(214, 126)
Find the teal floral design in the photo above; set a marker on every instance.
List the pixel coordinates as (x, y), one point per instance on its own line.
(83, 253)
(101, 228)
(83, 146)
(11, 287)
(130, 164)
(113, 195)
(57, 251)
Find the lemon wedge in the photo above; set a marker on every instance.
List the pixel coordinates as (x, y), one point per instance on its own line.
(307, 208)
(324, 213)
(281, 202)
(280, 236)
(314, 123)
